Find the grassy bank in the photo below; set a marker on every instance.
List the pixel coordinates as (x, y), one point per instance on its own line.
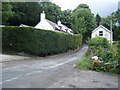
(108, 57)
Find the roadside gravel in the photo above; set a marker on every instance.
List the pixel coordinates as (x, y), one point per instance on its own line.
(6, 58)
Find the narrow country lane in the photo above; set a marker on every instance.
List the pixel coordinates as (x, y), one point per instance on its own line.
(53, 72)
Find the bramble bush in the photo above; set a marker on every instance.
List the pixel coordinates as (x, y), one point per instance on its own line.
(108, 56)
(37, 41)
(99, 42)
(97, 46)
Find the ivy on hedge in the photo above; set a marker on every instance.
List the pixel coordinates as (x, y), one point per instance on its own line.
(38, 41)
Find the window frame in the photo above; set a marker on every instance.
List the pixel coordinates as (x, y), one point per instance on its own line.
(100, 33)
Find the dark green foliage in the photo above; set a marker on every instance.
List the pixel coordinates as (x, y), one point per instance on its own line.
(106, 22)
(116, 33)
(107, 57)
(28, 13)
(99, 41)
(115, 16)
(98, 19)
(37, 41)
(25, 13)
(83, 22)
(66, 18)
(52, 10)
(6, 12)
(15, 13)
(85, 6)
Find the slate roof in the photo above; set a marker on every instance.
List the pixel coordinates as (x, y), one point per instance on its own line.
(54, 25)
(57, 27)
(65, 27)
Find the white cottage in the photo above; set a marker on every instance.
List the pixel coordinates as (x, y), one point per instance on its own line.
(22, 25)
(2, 25)
(101, 31)
(49, 25)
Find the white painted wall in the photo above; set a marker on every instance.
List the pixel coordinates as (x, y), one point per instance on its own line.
(43, 24)
(105, 34)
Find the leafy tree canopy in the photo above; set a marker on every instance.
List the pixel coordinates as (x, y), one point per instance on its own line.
(66, 18)
(98, 19)
(84, 22)
(6, 12)
(81, 6)
(52, 10)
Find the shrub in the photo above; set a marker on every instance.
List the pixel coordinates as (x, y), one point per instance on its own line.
(107, 57)
(99, 41)
(98, 46)
(37, 41)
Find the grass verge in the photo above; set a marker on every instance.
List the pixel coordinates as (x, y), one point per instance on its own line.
(85, 63)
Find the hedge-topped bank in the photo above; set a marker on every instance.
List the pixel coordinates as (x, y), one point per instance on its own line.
(37, 41)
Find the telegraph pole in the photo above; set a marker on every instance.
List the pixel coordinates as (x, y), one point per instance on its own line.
(111, 36)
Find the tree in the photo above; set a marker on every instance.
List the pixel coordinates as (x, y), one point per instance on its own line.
(52, 10)
(26, 13)
(98, 19)
(66, 18)
(29, 12)
(116, 19)
(79, 26)
(84, 22)
(81, 6)
(0, 13)
(106, 22)
(6, 12)
(115, 16)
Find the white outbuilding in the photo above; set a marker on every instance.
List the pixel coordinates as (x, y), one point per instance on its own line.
(101, 31)
(49, 25)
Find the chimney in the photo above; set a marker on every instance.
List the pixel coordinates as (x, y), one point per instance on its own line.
(42, 16)
(59, 22)
(100, 23)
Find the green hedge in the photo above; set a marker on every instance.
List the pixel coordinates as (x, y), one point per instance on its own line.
(37, 41)
(99, 41)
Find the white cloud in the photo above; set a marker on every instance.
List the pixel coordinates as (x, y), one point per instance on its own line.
(97, 6)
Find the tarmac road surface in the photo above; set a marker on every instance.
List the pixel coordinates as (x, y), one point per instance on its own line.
(55, 72)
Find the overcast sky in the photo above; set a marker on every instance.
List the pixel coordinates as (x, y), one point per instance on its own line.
(103, 7)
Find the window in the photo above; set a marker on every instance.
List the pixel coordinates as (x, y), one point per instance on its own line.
(100, 33)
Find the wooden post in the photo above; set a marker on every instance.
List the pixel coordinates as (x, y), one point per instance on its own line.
(111, 36)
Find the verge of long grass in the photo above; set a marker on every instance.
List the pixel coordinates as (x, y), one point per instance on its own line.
(85, 63)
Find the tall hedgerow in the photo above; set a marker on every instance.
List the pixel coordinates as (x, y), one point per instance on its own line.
(37, 41)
